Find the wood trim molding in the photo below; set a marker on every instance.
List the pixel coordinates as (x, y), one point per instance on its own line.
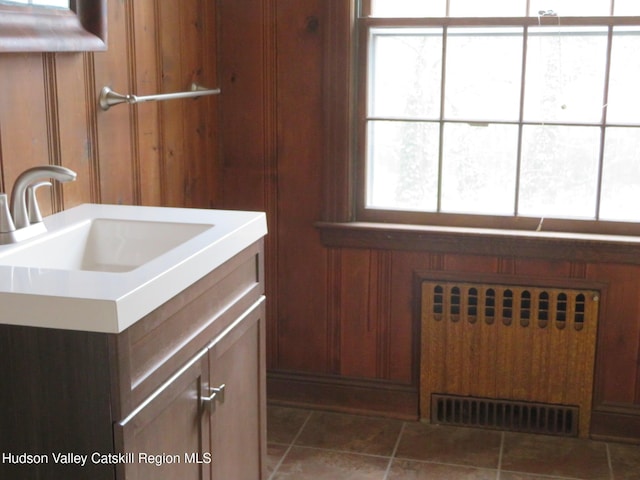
(339, 88)
(339, 394)
(619, 425)
(270, 166)
(574, 247)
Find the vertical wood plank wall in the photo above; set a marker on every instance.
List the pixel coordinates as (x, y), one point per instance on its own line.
(151, 154)
(343, 323)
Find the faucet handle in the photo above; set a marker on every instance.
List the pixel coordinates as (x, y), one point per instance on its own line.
(33, 210)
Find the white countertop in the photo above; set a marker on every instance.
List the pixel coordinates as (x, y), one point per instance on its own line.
(110, 302)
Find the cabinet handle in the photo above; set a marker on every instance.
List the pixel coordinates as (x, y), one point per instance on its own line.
(216, 394)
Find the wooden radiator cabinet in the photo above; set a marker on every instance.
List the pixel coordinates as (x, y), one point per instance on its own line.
(143, 403)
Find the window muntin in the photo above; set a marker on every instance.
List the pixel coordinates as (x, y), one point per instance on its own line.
(500, 8)
(462, 127)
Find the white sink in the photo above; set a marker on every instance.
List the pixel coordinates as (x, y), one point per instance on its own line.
(101, 268)
(103, 244)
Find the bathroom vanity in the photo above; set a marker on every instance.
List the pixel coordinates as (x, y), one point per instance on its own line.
(178, 393)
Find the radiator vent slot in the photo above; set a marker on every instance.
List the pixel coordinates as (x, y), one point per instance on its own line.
(514, 344)
(504, 415)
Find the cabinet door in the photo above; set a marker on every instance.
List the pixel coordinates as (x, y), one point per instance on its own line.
(238, 415)
(167, 437)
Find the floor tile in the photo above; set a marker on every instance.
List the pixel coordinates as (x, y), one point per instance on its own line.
(284, 423)
(275, 452)
(352, 433)
(555, 456)
(303, 463)
(625, 461)
(451, 445)
(413, 470)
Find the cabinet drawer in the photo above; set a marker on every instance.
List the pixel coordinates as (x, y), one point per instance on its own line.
(149, 352)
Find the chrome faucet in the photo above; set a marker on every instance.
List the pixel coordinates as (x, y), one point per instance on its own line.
(25, 211)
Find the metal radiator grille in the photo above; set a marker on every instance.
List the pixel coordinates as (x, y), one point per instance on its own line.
(509, 343)
(504, 415)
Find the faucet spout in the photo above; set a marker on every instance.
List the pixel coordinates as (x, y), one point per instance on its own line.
(24, 180)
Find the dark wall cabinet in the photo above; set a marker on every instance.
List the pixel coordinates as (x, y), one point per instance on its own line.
(179, 395)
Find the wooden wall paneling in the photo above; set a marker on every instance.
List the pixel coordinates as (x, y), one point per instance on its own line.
(132, 69)
(404, 334)
(246, 160)
(618, 353)
(173, 112)
(303, 323)
(244, 120)
(471, 263)
(73, 128)
(541, 267)
(302, 317)
(23, 118)
(334, 310)
(210, 78)
(197, 155)
(382, 307)
(91, 113)
(147, 80)
(53, 130)
(186, 178)
(359, 333)
(115, 126)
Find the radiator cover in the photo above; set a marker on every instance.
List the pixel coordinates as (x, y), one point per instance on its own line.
(504, 345)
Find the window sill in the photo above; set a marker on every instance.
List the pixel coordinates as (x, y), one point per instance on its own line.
(580, 247)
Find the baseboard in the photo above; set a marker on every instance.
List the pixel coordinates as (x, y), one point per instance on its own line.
(618, 424)
(366, 397)
(373, 397)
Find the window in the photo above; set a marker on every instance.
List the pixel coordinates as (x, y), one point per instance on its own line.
(500, 112)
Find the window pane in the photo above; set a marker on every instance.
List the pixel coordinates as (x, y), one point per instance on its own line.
(402, 169)
(565, 75)
(621, 175)
(479, 168)
(569, 8)
(559, 171)
(405, 73)
(624, 94)
(408, 8)
(483, 74)
(626, 7)
(487, 8)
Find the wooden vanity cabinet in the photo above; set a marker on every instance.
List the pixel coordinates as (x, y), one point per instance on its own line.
(198, 433)
(238, 428)
(145, 391)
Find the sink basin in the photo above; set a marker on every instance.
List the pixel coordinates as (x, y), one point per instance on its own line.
(103, 244)
(101, 268)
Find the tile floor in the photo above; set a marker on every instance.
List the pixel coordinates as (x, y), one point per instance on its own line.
(306, 444)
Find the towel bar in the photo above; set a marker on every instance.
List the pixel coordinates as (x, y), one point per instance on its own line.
(109, 98)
